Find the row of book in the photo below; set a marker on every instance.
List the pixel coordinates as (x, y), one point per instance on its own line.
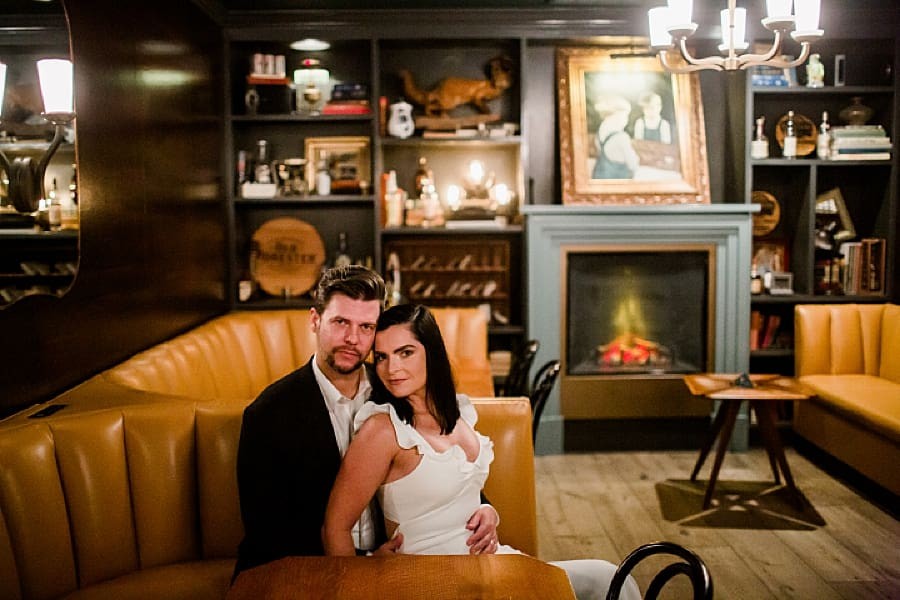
(765, 331)
(860, 142)
(862, 266)
(348, 99)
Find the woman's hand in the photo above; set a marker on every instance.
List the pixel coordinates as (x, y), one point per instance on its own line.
(483, 525)
(390, 547)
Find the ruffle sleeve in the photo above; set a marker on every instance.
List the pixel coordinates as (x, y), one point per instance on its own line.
(407, 436)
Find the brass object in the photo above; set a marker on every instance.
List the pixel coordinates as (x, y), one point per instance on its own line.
(806, 132)
(769, 215)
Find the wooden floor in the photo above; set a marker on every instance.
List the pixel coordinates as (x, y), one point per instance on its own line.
(603, 505)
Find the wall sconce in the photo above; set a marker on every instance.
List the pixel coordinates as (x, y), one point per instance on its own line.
(309, 82)
(26, 176)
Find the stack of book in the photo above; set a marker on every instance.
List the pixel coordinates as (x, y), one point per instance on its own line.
(860, 142)
(765, 331)
(348, 99)
(767, 76)
(863, 266)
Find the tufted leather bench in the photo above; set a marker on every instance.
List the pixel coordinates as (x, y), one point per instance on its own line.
(141, 501)
(849, 354)
(234, 357)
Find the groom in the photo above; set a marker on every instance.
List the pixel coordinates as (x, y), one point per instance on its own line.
(295, 433)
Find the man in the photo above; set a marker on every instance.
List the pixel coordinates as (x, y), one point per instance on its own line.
(295, 433)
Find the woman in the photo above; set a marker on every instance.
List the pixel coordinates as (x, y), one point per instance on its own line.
(417, 450)
(616, 157)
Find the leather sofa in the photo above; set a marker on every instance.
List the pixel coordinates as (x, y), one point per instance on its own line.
(849, 355)
(234, 357)
(141, 501)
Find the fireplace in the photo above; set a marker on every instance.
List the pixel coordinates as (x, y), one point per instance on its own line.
(646, 294)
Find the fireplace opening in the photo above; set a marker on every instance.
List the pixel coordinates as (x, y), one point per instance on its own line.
(637, 311)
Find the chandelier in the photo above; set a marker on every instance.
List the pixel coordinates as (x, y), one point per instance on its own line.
(671, 26)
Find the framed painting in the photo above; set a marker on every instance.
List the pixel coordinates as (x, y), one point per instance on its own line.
(347, 159)
(630, 132)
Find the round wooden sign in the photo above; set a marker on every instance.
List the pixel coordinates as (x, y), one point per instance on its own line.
(289, 256)
(806, 132)
(769, 213)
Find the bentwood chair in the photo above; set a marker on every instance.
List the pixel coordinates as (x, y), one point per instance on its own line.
(516, 383)
(690, 565)
(540, 391)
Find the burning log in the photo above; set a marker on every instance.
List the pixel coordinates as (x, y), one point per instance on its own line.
(629, 350)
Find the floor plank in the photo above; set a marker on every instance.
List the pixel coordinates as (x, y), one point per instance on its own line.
(603, 505)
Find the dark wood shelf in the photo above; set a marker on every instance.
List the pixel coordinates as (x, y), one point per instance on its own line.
(815, 299)
(411, 231)
(811, 160)
(289, 118)
(299, 201)
(827, 90)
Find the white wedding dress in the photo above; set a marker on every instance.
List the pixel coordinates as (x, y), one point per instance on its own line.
(433, 503)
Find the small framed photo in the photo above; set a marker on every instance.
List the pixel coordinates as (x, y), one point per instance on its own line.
(781, 283)
(347, 159)
(770, 256)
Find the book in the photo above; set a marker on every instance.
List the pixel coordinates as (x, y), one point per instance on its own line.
(350, 91)
(771, 329)
(851, 266)
(842, 131)
(347, 108)
(872, 266)
(861, 156)
(756, 324)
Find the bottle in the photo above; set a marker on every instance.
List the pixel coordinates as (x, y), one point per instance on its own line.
(823, 142)
(432, 214)
(54, 208)
(423, 174)
(790, 137)
(756, 282)
(759, 147)
(323, 178)
(393, 201)
(73, 185)
(263, 173)
(341, 258)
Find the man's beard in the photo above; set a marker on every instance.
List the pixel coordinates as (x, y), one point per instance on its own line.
(330, 360)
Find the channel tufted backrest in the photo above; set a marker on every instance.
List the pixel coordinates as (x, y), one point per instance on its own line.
(844, 339)
(233, 357)
(94, 496)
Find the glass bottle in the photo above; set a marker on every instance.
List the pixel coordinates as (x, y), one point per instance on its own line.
(759, 147)
(323, 178)
(341, 257)
(263, 173)
(423, 175)
(790, 137)
(54, 208)
(756, 282)
(823, 142)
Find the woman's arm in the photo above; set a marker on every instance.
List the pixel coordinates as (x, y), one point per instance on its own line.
(364, 468)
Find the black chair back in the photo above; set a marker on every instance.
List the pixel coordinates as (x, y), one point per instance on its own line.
(540, 391)
(690, 565)
(516, 383)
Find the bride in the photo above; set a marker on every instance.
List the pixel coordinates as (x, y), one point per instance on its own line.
(416, 448)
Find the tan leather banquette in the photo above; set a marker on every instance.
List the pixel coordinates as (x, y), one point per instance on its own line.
(141, 501)
(234, 357)
(849, 355)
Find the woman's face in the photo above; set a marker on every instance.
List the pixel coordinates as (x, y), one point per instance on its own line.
(400, 361)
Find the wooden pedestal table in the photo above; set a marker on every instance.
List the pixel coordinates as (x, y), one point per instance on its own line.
(761, 391)
(404, 577)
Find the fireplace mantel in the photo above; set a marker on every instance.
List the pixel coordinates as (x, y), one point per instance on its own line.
(550, 228)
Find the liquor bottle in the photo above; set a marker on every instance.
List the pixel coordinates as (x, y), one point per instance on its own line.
(759, 147)
(263, 173)
(790, 137)
(54, 208)
(341, 257)
(73, 185)
(423, 175)
(756, 282)
(393, 200)
(823, 142)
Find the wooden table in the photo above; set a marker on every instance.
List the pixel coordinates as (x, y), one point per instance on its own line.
(765, 390)
(404, 577)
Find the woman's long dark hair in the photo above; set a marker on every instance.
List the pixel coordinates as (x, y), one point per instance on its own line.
(439, 387)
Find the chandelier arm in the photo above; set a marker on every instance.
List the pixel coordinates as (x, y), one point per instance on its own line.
(778, 63)
(765, 56)
(680, 69)
(4, 162)
(715, 62)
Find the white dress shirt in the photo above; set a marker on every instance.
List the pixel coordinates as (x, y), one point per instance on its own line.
(341, 411)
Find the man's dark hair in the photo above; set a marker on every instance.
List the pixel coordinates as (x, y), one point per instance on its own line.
(439, 388)
(355, 282)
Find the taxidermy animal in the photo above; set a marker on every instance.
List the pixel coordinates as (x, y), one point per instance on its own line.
(456, 91)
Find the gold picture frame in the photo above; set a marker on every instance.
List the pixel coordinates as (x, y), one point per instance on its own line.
(596, 86)
(348, 160)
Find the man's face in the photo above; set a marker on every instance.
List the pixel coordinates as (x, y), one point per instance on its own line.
(345, 331)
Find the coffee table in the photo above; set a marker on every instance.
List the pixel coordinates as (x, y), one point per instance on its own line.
(761, 391)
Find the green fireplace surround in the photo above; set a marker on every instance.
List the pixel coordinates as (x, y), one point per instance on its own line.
(725, 227)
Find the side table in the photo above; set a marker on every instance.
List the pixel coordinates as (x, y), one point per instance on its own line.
(760, 391)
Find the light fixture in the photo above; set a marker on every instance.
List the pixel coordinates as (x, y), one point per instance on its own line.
(671, 26)
(310, 45)
(26, 176)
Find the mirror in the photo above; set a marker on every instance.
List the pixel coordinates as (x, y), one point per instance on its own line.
(39, 240)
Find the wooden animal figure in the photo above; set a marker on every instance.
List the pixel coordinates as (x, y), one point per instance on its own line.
(456, 91)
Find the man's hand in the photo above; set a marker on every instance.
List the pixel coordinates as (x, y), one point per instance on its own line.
(483, 525)
(390, 547)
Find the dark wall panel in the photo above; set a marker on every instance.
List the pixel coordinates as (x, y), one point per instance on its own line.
(149, 104)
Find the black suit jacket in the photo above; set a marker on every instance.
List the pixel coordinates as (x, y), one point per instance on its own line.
(286, 466)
